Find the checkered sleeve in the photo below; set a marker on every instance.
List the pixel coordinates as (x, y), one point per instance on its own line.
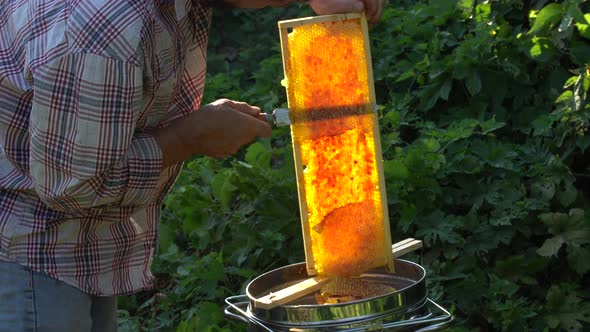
(84, 151)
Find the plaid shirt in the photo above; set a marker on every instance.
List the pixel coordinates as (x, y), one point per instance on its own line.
(81, 81)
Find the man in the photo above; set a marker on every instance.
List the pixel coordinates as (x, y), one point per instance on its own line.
(98, 109)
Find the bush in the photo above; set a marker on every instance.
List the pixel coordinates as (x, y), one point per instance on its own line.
(484, 125)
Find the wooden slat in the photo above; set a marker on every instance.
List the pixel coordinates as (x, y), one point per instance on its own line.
(406, 247)
(401, 243)
(289, 24)
(291, 293)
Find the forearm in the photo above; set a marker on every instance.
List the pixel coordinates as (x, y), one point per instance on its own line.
(173, 149)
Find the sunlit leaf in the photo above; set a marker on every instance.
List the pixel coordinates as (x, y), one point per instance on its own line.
(584, 28)
(540, 49)
(565, 96)
(466, 7)
(548, 16)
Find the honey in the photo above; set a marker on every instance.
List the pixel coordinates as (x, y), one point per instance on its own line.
(333, 128)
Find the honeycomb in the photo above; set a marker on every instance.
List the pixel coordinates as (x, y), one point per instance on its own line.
(333, 126)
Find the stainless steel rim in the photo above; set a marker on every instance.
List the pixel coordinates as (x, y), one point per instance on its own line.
(429, 317)
(409, 280)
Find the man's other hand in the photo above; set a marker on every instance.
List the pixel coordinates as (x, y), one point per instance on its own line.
(218, 130)
(373, 8)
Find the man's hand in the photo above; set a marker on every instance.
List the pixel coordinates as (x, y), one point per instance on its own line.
(218, 130)
(374, 8)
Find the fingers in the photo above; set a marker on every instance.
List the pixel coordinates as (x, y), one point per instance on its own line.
(325, 7)
(238, 106)
(258, 126)
(263, 129)
(261, 117)
(374, 10)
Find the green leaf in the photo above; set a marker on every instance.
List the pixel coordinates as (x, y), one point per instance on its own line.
(466, 7)
(566, 96)
(556, 221)
(570, 81)
(567, 196)
(565, 310)
(584, 28)
(395, 169)
(540, 49)
(212, 268)
(205, 318)
(438, 227)
(459, 130)
(544, 189)
(542, 125)
(392, 118)
(446, 89)
(483, 11)
(583, 142)
(490, 125)
(547, 17)
(502, 287)
(431, 145)
(577, 257)
(579, 93)
(258, 154)
(580, 52)
(223, 188)
(566, 24)
(473, 83)
(551, 246)
(166, 237)
(405, 76)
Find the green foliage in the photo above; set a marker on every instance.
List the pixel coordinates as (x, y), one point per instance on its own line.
(484, 127)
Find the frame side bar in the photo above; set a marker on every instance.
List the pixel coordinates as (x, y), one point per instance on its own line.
(309, 260)
(378, 151)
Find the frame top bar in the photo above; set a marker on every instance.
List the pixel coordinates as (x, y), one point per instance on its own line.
(317, 19)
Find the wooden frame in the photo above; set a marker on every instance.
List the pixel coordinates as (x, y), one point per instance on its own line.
(288, 24)
(285, 28)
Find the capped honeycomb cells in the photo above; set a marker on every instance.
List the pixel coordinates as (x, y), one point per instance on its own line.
(333, 125)
(327, 66)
